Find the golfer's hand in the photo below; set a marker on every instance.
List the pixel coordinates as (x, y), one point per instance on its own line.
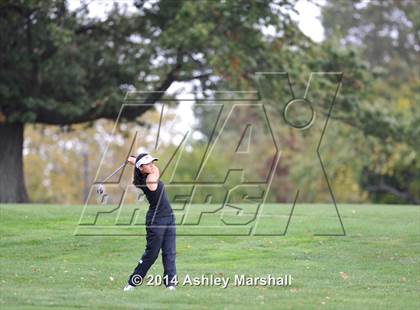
(131, 160)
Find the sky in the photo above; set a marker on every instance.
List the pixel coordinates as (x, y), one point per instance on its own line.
(309, 19)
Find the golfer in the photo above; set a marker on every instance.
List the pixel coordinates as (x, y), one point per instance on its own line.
(160, 223)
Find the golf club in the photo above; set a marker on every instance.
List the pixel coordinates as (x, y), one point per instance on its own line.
(100, 190)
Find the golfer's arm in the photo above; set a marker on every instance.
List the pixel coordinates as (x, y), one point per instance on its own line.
(152, 180)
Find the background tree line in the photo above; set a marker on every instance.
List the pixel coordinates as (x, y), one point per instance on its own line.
(62, 67)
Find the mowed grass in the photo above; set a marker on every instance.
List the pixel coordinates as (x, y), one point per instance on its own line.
(375, 266)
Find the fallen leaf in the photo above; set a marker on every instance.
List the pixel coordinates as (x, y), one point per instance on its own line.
(344, 275)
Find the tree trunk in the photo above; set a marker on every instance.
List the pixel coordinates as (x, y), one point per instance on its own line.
(12, 182)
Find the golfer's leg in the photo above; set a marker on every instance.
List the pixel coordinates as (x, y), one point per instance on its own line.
(154, 239)
(169, 254)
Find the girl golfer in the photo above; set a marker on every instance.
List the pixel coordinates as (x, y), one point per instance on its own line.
(160, 223)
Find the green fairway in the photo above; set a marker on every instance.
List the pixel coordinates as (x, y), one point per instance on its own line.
(375, 266)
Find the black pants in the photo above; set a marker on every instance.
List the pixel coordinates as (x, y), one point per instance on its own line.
(160, 234)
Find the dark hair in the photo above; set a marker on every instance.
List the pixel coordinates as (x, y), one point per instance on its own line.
(139, 179)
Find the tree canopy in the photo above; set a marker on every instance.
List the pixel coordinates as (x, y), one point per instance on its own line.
(63, 67)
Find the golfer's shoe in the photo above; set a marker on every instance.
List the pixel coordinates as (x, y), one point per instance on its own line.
(129, 287)
(171, 288)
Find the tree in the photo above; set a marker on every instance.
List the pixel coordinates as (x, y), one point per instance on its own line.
(375, 44)
(61, 67)
(386, 34)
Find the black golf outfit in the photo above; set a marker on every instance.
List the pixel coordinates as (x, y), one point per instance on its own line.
(160, 234)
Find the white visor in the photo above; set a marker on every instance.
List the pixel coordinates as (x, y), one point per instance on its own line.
(147, 159)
